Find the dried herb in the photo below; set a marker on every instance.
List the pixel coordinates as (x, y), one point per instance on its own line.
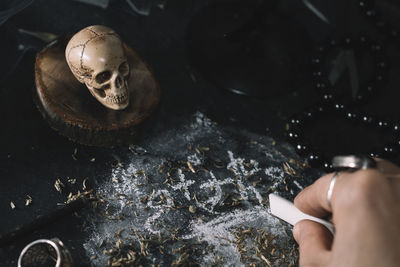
(289, 170)
(190, 167)
(259, 246)
(28, 200)
(71, 180)
(74, 154)
(88, 194)
(84, 186)
(58, 185)
(192, 209)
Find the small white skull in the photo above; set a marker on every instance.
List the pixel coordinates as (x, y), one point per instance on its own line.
(97, 58)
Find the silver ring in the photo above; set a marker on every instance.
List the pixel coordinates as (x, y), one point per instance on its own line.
(330, 189)
(45, 251)
(353, 162)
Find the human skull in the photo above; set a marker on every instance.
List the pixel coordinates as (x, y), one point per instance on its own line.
(97, 58)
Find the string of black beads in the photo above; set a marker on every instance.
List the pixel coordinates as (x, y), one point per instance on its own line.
(317, 158)
(320, 68)
(334, 104)
(371, 11)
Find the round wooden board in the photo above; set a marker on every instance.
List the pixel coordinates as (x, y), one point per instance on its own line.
(71, 110)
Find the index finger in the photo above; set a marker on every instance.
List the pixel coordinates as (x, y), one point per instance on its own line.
(312, 200)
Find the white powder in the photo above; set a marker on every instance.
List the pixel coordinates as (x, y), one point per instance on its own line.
(139, 178)
(274, 172)
(214, 200)
(238, 167)
(201, 121)
(183, 185)
(218, 232)
(194, 159)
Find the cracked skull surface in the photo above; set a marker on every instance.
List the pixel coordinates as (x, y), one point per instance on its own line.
(97, 58)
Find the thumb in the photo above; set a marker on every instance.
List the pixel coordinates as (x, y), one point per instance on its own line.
(314, 241)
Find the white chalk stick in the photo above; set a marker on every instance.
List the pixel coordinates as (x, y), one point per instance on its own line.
(287, 211)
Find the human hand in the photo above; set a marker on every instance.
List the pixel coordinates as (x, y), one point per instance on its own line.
(365, 209)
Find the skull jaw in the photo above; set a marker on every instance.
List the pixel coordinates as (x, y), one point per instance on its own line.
(115, 102)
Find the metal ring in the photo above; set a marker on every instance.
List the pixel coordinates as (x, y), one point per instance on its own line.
(353, 162)
(330, 189)
(45, 251)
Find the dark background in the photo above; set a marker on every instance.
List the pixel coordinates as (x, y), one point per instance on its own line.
(33, 156)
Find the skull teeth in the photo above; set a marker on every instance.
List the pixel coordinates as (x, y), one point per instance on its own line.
(116, 99)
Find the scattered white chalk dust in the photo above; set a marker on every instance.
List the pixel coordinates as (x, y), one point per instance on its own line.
(151, 191)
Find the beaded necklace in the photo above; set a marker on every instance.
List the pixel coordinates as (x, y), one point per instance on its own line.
(336, 104)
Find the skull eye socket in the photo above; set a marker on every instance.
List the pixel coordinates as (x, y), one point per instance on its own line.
(100, 92)
(103, 77)
(124, 68)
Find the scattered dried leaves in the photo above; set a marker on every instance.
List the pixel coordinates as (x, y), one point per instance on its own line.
(28, 200)
(190, 167)
(264, 248)
(58, 185)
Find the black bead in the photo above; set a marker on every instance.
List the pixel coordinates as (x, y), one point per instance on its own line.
(376, 48)
(327, 97)
(339, 106)
(368, 120)
(374, 154)
(293, 136)
(380, 77)
(301, 149)
(316, 61)
(360, 97)
(363, 39)
(321, 86)
(365, 4)
(320, 109)
(389, 151)
(308, 114)
(371, 13)
(382, 124)
(321, 49)
(382, 64)
(314, 160)
(396, 128)
(369, 89)
(295, 122)
(327, 166)
(317, 74)
(351, 115)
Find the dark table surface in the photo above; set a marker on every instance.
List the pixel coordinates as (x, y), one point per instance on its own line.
(33, 156)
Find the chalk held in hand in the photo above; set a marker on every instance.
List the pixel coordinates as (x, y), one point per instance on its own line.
(287, 211)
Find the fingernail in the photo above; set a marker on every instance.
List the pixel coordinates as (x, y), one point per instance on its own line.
(296, 232)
